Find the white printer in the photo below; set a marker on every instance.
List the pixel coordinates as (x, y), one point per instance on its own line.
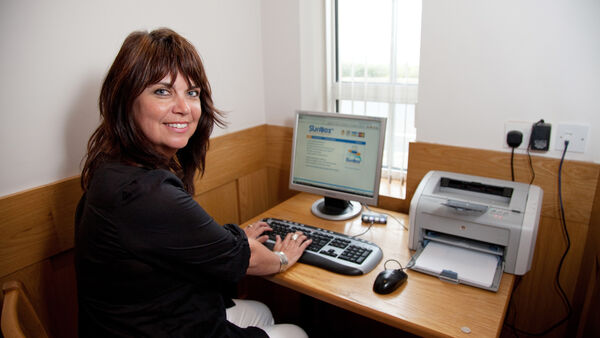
(469, 229)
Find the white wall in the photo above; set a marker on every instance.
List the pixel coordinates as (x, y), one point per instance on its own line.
(487, 62)
(482, 63)
(281, 56)
(55, 55)
(294, 58)
(313, 76)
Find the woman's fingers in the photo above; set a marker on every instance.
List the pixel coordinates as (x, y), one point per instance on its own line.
(257, 229)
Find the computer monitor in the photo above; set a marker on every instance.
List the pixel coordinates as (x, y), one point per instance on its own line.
(337, 156)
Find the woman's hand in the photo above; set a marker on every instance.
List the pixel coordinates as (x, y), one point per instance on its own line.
(264, 261)
(256, 231)
(293, 245)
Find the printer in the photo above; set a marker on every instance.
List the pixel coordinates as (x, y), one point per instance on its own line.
(469, 229)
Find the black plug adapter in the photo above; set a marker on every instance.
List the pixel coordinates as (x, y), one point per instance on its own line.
(540, 136)
(514, 138)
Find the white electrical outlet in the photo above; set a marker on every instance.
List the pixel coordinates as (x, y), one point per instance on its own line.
(576, 134)
(522, 126)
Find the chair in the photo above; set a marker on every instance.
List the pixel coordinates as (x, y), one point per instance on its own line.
(19, 318)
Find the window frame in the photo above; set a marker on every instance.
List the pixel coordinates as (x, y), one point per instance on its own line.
(392, 93)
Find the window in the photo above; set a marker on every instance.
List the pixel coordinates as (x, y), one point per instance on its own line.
(374, 69)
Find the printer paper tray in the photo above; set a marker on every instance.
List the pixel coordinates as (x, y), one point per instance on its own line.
(459, 265)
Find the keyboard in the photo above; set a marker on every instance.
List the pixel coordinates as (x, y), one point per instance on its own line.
(329, 250)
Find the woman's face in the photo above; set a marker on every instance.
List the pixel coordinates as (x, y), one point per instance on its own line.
(168, 115)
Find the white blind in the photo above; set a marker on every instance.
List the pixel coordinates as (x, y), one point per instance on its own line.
(374, 58)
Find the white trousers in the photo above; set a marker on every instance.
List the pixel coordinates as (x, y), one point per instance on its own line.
(252, 313)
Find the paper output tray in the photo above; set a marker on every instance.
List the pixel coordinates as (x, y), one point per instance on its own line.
(453, 277)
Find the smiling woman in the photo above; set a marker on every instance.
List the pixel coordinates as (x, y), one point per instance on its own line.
(168, 113)
(148, 60)
(149, 260)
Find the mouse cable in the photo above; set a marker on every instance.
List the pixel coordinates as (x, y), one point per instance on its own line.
(370, 225)
(389, 215)
(563, 295)
(393, 260)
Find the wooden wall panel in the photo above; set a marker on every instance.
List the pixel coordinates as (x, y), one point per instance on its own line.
(253, 190)
(590, 316)
(393, 203)
(233, 155)
(221, 203)
(537, 290)
(589, 279)
(279, 190)
(279, 147)
(63, 200)
(37, 224)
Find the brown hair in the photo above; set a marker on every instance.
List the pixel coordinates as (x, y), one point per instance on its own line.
(144, 59)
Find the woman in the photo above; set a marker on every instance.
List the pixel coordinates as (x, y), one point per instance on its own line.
(149, 260)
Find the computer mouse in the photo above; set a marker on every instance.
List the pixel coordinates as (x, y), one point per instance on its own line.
(389, 280)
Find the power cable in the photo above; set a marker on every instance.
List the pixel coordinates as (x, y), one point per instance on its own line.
(562, 293)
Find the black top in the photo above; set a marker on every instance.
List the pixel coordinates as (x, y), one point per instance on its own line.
(151, 262)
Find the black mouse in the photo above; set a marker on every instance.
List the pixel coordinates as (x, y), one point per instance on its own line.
(389, 280)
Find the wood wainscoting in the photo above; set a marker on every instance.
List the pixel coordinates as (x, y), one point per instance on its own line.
(248, 171)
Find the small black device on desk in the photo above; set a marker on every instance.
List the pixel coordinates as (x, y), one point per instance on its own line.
(329, 250)
(389, 280)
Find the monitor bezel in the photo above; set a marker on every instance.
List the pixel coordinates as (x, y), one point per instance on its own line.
(370, 200)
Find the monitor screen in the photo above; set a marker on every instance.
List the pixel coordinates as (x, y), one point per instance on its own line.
(337, 156)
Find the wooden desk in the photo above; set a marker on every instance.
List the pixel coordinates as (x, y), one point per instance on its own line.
(423, 305)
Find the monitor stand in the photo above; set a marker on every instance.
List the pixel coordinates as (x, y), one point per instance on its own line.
(335, 209)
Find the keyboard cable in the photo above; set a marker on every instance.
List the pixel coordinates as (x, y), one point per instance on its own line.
(364, 232)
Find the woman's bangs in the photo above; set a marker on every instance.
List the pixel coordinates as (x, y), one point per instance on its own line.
(163, 64)
(190, 71)
(159, 66)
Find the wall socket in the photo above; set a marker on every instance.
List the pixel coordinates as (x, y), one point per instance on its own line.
(522, 126)
(577, 135)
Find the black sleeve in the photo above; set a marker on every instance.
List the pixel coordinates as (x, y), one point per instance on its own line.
(162, 225)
